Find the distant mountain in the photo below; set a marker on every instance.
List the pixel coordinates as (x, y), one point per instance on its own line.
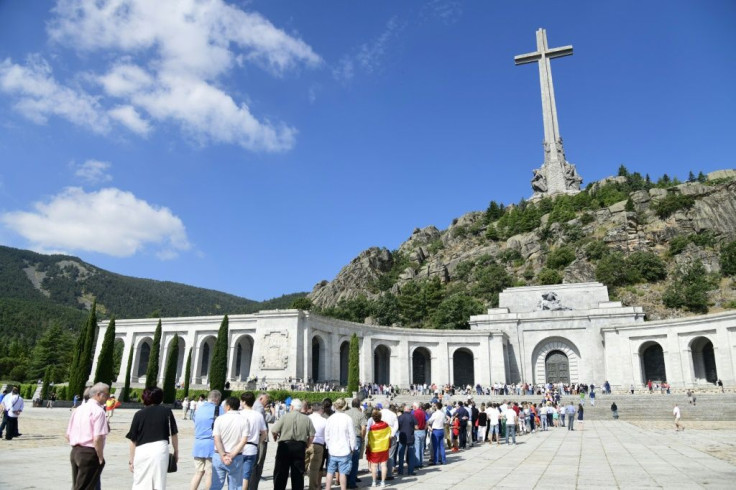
(37, 289)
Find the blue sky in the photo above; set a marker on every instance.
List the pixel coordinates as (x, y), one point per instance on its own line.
(256, 147)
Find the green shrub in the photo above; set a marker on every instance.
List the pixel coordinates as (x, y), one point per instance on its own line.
(587, 218)
(549, 276)
(690, 289)
(595, 250)
(61, 392)
(645, 266)
(728, 259)
(672, 203)
(560, 258)
(509, 255)
(611, 270)
(678, 244)
(460, 231)
(528, 273)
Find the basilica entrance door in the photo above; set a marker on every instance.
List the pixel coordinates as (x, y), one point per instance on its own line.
(557, 367)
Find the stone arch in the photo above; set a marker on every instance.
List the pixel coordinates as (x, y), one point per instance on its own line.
(653, 366)
(421, 366)
(463, 367)
(206, 349)
(548, 346)
(242, 358)
(142, 356)
(382, 364)
(704, 360)
(319, 359)
(556, 367)
(344, 362)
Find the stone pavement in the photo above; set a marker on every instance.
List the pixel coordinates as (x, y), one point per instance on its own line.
(606, 454)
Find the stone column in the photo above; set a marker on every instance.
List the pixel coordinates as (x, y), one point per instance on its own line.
(483, 366)
(127, 346)
(401, 364)
(673, 362)
(366, 359)
(442, 364)
(497, 358)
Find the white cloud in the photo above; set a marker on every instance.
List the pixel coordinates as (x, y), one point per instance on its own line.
(109, 221)
(94, 171)
(129, 117)
(169, 56)
(370, 56)
(40, 96)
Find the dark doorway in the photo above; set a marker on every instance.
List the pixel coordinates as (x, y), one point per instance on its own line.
(344, 363)
(317, 373)
(143, 358)
(463, 368)
(204, 368)
(652, 358)
(382, 365)
(704, 360)
(421, 367)
(557, 367)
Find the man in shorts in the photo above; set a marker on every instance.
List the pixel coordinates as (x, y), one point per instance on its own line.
(204, 442)
(676, 413)
(340, 441)
(257, 434)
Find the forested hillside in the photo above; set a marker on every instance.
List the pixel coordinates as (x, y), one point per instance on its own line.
(45, 299)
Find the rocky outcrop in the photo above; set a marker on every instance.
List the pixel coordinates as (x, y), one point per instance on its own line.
(628, 226)
(357, 278)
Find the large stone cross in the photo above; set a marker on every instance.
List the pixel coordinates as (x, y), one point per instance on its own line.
(556, 176)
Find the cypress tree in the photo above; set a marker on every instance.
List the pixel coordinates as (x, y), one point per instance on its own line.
(170, 371)
(354, 364)
(83, 353)
(126, 386)
(46, 383)
(188, 374)
(152, 371)
(105, 364)
(218, 367)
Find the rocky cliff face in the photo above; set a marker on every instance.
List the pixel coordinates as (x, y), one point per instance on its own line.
(627, 226)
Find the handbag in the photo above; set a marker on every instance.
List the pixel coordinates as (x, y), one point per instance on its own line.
(172, 464)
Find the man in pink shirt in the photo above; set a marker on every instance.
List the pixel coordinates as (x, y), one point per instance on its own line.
(86, 434)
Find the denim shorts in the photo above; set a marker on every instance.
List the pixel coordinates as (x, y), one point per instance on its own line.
(249, 462)
(339, 463)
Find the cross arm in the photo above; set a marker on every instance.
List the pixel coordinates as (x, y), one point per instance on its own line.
(559, 52)
(527, 58)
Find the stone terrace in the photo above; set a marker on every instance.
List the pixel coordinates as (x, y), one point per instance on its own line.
(605, 454)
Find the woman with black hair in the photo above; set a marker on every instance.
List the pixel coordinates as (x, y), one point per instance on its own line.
(149, 442)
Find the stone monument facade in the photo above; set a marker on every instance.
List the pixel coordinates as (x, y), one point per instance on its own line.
(557, 175)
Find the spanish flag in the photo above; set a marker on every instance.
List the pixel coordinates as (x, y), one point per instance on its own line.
(379, 441)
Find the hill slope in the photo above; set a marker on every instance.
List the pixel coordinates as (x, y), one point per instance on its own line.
(658, 245)
(36, 288)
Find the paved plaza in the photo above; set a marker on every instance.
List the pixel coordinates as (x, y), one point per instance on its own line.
(606, 454)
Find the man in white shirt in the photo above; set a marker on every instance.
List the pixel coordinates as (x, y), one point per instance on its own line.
(511, 417)
(390, 417)
(257, 433)
(340, 441)
(316, 452)
(676, 414)
(13, 406)
(231, 434)
(494, 416)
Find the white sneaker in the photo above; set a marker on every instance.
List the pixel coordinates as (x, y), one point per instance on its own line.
(383, 484)
(373, 485)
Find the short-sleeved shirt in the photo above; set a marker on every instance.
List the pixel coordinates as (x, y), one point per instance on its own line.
(151, 424)
(86, 423)
(421, 418)
(231, 428)
(319, 423)
(359, 419)
(256, 425)
(510, 417)
(204, 419)
(293, 426)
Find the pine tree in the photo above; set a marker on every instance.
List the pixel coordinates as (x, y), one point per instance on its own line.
(170, 371)
(354, 364)
(105, 364)
(46, 383)
(218, 367)
(152, 371)
(126, 386)
(83, 353)
(188, 374)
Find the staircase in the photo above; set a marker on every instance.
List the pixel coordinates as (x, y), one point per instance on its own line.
(709, 406)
